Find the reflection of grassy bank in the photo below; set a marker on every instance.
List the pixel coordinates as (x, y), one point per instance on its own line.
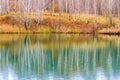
(54, 41)
(70, 40)
(56, 23)
(8, 38)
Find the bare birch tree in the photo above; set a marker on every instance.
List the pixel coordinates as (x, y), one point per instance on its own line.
(87, 10)
(110, 10)
(95, 14)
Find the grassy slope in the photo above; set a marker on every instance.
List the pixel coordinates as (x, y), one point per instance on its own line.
(12, 23)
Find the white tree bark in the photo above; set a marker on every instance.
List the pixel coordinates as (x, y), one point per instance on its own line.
(95, 12)
(87, 10)
(110, 11)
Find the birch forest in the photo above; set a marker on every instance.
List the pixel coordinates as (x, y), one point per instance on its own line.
(105, 8)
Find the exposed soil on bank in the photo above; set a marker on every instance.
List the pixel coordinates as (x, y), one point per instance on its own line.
(13, 24)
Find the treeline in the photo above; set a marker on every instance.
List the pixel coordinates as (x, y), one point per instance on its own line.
(107, 8)
(101, 7)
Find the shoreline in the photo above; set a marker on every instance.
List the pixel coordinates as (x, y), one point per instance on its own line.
(113, 33)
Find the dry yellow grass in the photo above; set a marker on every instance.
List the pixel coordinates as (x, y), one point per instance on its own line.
(73, 17)
(54, 18)
(109, 30)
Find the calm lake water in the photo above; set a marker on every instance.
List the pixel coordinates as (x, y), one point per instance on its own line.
(59, 57)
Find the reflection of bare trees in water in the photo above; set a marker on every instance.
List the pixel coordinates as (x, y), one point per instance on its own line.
(34, 59)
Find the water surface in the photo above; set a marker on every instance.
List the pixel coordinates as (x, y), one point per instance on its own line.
(59, 57)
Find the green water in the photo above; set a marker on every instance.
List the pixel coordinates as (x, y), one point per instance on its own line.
(59, 57)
